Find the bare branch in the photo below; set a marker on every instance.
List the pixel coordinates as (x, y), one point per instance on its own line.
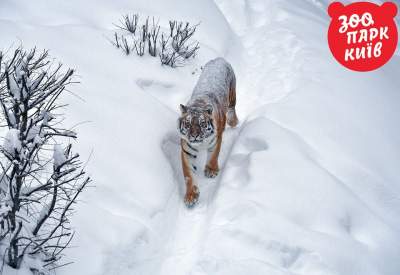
(37, 192)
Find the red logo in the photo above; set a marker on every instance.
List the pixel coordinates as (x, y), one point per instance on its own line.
(362, 36)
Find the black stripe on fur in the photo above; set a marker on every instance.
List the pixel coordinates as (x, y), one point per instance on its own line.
(189, 154)
(191, 147)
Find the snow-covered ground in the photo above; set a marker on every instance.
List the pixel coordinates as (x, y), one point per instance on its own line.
(309, 183)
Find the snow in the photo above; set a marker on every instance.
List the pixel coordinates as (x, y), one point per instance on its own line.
(309, 180)
(58, 155)
(4, 209)
(14, 88)
(12, 143)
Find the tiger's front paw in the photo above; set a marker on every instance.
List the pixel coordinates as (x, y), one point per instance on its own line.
(210, 172)
(192, 196)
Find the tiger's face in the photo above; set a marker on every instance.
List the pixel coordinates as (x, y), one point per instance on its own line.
(196, 124)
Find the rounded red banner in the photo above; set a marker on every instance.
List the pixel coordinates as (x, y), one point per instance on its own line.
(362, 36)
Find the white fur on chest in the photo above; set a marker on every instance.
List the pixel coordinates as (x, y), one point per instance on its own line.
(205, 145)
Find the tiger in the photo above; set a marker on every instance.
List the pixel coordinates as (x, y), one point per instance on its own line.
(202, 122)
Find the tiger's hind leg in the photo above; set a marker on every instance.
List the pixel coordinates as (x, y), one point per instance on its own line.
(231, 117)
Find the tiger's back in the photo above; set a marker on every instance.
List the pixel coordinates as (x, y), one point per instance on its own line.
(215, 82)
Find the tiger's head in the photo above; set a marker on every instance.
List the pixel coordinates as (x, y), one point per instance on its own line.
(196, 123)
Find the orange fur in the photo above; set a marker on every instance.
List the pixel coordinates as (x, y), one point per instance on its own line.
(223, 113)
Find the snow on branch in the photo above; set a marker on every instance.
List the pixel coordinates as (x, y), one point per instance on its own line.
(41, 178)
(174, 47)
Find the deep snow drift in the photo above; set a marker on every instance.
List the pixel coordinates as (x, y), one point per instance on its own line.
(309, 180)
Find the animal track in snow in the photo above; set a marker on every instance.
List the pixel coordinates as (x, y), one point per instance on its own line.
(184, 240)
(146, 84)
(255, 144)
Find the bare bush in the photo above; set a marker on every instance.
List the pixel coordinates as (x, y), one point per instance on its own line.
(125, 45)
(153, 38)
(116, 42)
(181, 35)
(173, 48)
(180, 48)
(129, 23)
(41, 177)
(166, 57)
(139, 46)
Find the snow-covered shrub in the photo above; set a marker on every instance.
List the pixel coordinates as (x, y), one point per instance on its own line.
(129, 23)
(173, 47)
(41, 178)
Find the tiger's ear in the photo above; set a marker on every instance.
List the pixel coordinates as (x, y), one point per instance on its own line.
(209, 109)
(183, 108)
